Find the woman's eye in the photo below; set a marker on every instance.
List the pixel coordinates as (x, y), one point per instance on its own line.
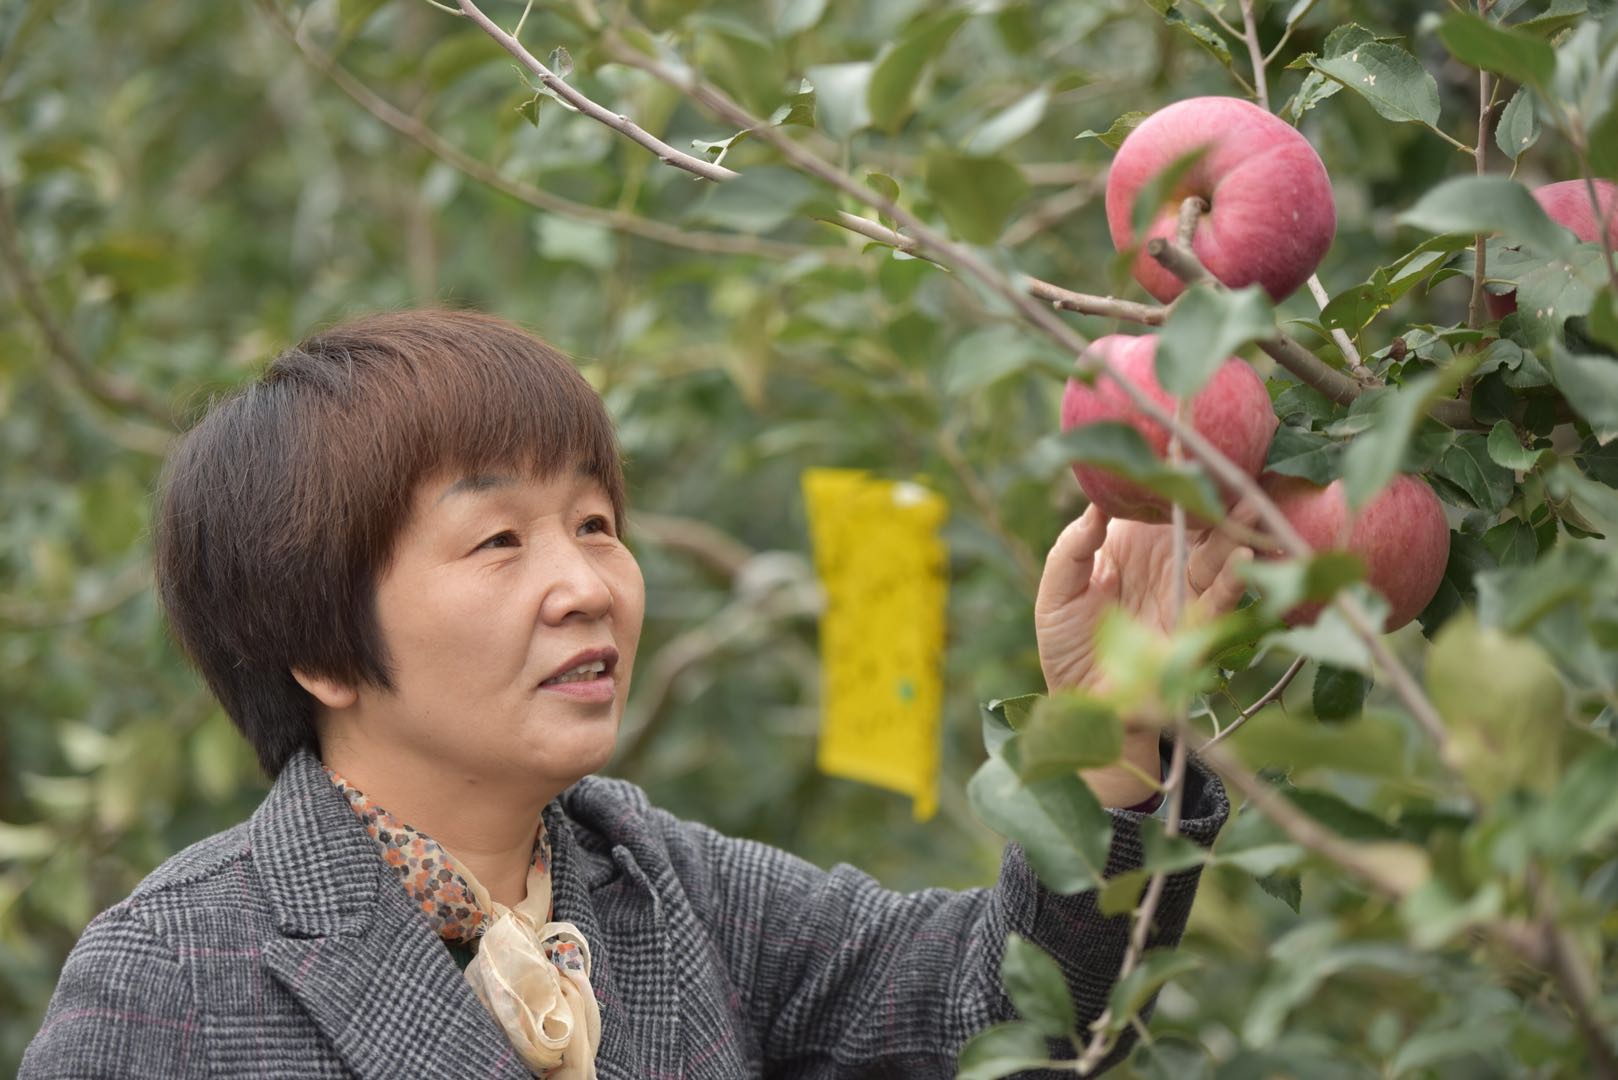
(597, 523)
(500, 540)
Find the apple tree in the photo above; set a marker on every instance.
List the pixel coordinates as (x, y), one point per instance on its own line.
(1031, 253)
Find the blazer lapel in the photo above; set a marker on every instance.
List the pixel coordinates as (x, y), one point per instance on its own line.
(351, 949)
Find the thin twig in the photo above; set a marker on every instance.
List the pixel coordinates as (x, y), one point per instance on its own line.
(1345, 344)
(620, 123)
(1101, 1042)
(1261, 90)
(1272, 694)
(1286, 35)
(1048, 212)
(1560, 955)
(105, 388)
(1105, 306)
(1304, 830)
(1478, 312)
(435, 144)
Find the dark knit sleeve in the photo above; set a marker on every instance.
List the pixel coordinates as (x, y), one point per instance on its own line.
(843, 978)
(123, 1007)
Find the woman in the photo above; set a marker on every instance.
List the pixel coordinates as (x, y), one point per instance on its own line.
(397, 560)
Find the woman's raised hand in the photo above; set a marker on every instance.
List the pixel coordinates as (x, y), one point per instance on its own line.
(1099, 562)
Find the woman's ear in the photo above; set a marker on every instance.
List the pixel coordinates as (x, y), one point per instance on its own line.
(331, 693)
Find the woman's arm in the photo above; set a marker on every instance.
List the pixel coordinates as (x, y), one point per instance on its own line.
(843, 978)
(123, 1008)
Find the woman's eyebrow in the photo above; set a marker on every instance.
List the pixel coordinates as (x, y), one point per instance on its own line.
(476, 484)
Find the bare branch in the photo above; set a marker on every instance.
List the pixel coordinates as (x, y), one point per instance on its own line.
(617, 121)
(1048, 212)
(1261, 90)
(105, 388)
(1272, 694)
(1478, 310)
(717, 549)
(1286, 35)
(617, 220)
(1106, 306)
(1345, 344)
(123, 587)
(1304, 830)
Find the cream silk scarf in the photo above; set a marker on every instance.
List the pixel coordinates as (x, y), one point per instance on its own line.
(532, 974)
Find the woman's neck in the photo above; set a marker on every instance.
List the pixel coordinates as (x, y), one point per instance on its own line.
(490, 830)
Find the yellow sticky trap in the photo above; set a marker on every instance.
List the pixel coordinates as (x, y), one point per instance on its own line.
(882, 567)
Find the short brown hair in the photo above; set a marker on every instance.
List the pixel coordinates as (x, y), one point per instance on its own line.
(278, 512)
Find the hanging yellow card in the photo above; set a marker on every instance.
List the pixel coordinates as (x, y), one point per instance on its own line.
(882, 567)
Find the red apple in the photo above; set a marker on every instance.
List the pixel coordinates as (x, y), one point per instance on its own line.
(1232, 411)
(1270, 215)
(1400, 535)
(1568, 203)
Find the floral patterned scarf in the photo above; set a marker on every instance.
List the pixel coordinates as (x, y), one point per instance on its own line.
(532, 974)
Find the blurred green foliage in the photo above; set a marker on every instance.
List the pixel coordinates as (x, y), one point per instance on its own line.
(185, 192)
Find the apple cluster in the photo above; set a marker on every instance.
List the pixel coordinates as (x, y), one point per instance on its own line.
(1269, 220)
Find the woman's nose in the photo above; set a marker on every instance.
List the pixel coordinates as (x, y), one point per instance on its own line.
(574, 586)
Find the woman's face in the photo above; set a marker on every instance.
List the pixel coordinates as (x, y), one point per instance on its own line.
(500, 588)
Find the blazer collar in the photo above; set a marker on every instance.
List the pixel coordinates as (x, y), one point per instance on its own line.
(354, 952)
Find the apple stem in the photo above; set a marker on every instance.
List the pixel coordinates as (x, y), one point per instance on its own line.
(1191, 211)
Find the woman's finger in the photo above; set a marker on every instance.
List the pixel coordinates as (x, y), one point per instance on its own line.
(1072, 558)
(1211, 551)
(1222, 595)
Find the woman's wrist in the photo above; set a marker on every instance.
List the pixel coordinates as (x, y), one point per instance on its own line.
(1134, 780)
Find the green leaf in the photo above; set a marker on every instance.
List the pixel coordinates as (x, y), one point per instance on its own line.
(793, 17)
(1375, 455)
(1508, 453)
(1351, 309)
(1590, 385)
(1601, 324)
(1314, 89)
(1518, 128)
(1330, 640)
(1004, 717)
(1558, 15)
(1002, 1050)
(1115, 135)
(975, 194)
(1036, 986)
(1488, 204)
(1338, 694)
(1122, 892)
(1603, 140)
(1157, 966)
(1285, 583)
(1393, 81)
(1205, 326)
(1309, 454)
(1512, 543)
(1287, 888)
(1210, 41)
(1502, 703)
(840, 97)
(1010, 124)
(1062, 828)
(899, 69)
(1522, 58)
(760, 200)
(1467, 464)
(1162, 188)
(1582, 813)
(1065, 732)
(1557, 289)
(1120, 449)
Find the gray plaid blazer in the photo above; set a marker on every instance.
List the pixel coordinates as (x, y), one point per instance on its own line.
(282, 948)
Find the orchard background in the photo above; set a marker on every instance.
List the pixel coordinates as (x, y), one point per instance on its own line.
(1429, 888)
